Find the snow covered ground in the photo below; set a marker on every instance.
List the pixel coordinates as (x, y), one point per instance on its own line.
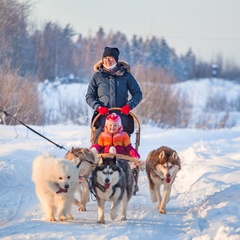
(204, 203)
(58, 98)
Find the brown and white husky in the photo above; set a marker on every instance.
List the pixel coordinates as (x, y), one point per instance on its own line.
(85, 160)
(162, 166)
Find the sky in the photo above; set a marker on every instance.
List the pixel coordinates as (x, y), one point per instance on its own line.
(208, 27)
(204, 202)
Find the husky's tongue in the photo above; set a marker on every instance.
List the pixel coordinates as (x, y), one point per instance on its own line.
(168, 179)
(107, 185)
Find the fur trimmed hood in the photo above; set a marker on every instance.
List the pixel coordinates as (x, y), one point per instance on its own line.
(121, 64)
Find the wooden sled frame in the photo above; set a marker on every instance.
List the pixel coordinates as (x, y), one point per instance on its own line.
(121, 156)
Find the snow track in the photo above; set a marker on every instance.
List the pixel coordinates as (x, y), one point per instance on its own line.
(203, 204)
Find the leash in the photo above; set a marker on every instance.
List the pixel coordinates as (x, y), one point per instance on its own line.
(82, 160)
(61, 147)
(135, 165)
(7, 114)
(84, 176)
(91, 188)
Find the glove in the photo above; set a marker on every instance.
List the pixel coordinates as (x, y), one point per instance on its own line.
(96, 148)
(134, 154)
(126, 109)
(103, 110)
(112, 150)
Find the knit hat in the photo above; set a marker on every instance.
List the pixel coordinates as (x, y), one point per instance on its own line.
(114, 118)
(112, 52)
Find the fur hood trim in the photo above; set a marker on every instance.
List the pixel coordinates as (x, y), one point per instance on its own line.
(99, 65)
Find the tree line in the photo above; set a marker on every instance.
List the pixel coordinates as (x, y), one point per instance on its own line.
(29, 55)
(54, 51)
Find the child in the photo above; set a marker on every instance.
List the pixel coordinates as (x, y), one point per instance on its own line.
(114, 139)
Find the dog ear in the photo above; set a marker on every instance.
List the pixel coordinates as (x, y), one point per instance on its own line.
(174, 155)
(72, 149)
(91, 155)
(100, 161)
(86, 152)
(161, 155)
(81, 150)
(95, 155)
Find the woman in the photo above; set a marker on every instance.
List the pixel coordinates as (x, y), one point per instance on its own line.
(110, 86)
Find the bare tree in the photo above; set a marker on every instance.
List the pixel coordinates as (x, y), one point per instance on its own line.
(19, 97)
(162, 105)
(13, 33)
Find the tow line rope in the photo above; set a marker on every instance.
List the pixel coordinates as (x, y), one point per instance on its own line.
(61, 147)
(136, 165)
(7, 114)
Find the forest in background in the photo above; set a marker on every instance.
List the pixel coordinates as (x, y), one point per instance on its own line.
(54, 52)
(29, 55)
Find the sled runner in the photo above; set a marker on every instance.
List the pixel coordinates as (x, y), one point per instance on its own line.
(136, 164)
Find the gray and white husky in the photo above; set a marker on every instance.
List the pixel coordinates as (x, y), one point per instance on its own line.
(112, 181)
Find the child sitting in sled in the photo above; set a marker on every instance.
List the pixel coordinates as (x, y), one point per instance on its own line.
(114, 139)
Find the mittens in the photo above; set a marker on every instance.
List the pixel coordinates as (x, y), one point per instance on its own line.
(96, 148)
(103, 110)
(126, 109)
(134, 154)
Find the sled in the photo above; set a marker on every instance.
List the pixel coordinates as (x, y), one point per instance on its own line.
(137, 129)
(136, 164)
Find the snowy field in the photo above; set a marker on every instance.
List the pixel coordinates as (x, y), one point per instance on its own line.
(204, 203)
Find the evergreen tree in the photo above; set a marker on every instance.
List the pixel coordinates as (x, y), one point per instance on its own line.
(164, 54)
(188, 62)
(136, 50)
(176, 67)
(152, 56)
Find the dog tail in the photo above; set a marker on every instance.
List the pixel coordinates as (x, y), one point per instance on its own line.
(149, 169)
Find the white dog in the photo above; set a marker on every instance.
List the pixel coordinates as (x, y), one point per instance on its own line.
(56, 181)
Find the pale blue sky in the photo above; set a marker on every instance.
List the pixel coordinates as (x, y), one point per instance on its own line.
(208, 27)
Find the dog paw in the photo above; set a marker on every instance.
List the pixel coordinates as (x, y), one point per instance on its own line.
(51, 219)
(101, 221)
(162, 211)
(82, 209)
(123, 218)
(62, 218)
(70, 217)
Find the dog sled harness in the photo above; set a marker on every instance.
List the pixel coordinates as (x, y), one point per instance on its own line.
(82, 160)
(101, 187)
(90, 187)
(155, 175)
